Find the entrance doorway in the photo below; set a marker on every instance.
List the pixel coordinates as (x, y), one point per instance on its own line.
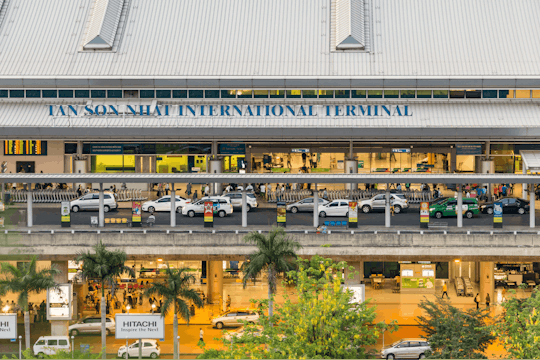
(28, 167)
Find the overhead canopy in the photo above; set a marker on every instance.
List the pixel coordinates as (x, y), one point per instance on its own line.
(531, 160)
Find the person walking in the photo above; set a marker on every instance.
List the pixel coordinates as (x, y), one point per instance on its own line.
(445, 291)
(229, 301)
(195, 196)
(166, 189)
(477, 300)
(206, 190)
(188, 189)
(496, 192)
(201, 335)
(488, 300)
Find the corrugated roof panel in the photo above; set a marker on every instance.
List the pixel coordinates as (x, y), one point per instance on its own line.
(349, 25)
(103, 24)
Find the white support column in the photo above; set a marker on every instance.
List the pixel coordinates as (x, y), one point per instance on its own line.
(101, 209)
(244, 206)
(315, 206)
(29, 204)
(173, 206)
(459, 206)
(532, 199)
(524, 186)
(387, 215)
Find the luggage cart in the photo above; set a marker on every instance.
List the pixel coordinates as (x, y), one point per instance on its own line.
(460, 288)
(468, 287)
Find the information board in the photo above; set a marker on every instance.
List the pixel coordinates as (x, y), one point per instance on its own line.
(208, 213)
(59, 302)
(8, 326)
(353, 214)
(136, 215)
(281, 213)
(424, 213)
(25, 147)
(139, 326)
(497, 214)
(359, 292)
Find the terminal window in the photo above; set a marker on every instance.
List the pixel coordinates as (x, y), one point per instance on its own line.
(391, 94)
(489, 94)
(65, 94)
(100, 94)
(211, 94)
(50, 94)
(277, 94)
(179, 94)
(309, 94)
(423, 94)
(358, 94)
(523, 94)
(375, 94)
(326, 94)
(147, 94)
(33, 93)
(294, 94)
(260, 94)
(228, 94)
(440, 94)
(163, 94)
(343, 94)
(407, 94)
(247, 94)
(3, 93)
(195, 94)
(114, 94)
(82, 93)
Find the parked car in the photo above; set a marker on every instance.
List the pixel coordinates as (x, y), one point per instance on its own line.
(509, 205)
(150, 349)
(304, 205)
(222, 206)
(164, 204)
(236, 199)
(238, 333)
(406, 349)
(339, 207)
(448, 208)
(49, 345)
(91, 202)
(233, 318)
(378, 203)
(92, 325)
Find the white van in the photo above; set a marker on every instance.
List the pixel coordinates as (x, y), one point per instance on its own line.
(49, 345)
(91, 202)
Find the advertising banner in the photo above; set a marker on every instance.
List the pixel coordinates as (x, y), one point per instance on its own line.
(497, 215)
(8, 326)
(418, 283)
(136, 213)
(208, 214)
(282, 214)
(353, 214)
(59, 302)
(139, 326)
(424, 214)
(65, 214)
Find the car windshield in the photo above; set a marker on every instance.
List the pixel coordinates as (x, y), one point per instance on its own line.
(401, 196)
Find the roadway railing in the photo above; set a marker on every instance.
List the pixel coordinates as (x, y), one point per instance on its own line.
(57, 196)
(412, 196)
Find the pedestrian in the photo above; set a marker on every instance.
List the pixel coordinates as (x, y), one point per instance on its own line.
(325, 194)
(192, 310)
(477, 301)
(166, 189)
(500, 191)
(496, 192)
(206, 190)
(188, 189)
(201, 335)
(42, 308)
(398, 188)
(488, 300)
(159, 191)
(445, 291)
(79, 191)
(504, 190)
(229, 302)
(503, 294)
(96, 307)
(263, 190)
(195, 196)
(228, 188)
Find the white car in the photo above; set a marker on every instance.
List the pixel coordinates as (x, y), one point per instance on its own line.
(49, 345)
(229, 335)
(164, 204)
(150, 349)
(338, 207)
(222, 206)
(233, 318)
(406, 349)
(236, 199)
(92, 325)
(378, 202)
(91, 202)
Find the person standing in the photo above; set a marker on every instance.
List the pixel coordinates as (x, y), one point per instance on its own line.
(201, 335)
(206, 190)
(488, 300)
(445, 291)
(166, 189)
(477, 301)
(229, 301)
(42, 307)
(195, 196)
(188, 189)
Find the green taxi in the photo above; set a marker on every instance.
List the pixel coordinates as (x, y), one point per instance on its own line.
(447, 208)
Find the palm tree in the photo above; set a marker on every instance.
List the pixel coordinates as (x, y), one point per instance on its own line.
(174, 291)
(24, 281)
(106, 266)
(274, 255)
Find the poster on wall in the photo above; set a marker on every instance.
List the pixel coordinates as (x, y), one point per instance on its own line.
(282, 214)
(424, 214)
(59, 302)
(208, 214)
(497, 215)
(353, 214)
(65, 214)
(136, 214)
(418, 283)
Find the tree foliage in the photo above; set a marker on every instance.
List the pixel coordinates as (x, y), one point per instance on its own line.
(320, 324)
(454, 333)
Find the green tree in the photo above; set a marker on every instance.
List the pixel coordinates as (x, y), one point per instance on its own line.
(60, 354)
(106, 266)
(174, 291)
(275, 254)
(518, 328)
(453, 333)
(24, 281)
(323, 323)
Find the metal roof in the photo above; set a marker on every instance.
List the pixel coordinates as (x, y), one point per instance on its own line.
(531, 159)
(273, 39)
(103, 24)
(414, 178)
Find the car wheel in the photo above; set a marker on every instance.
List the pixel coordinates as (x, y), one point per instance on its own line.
(191, 213)
(422, 356)
(219, 325)
(248, 208)
(179, 210)
(469, 214)
(489, 211)
(521, 211)
(366, 209)
(294, 209)
(107, 332)
(322, 214)
(438, 215)
(153, 355)
(397, 209)
(40, 355)
(151, 209)
(74, 332)
(222, 214)
(106, 208)
(75, 209)
(390, 357)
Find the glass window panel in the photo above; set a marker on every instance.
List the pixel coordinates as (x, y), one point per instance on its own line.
(50, 93)
(441, 270)
(523, 94)
(131, 94)
(228, 94)
(489, 94)
(3, 93)
(195, 94)
(423, 94)
(33, 93)
(147, 94)
(375, 94)
(82, 93)
(65, 93)
(277, 94)
(440, 94)
(16, 93)
(114, 94)
(100, 94)
(294, 94)
(260, 94)
(309, 94)
(343, 94)
(457, 94)
(245, 94)
(391, 94)
(326, 94)
(211, 94)
(536, 94)
(179, 94)
(473, 94)
(358, 94)
(407, 94)
(163, 94)
(503, 94)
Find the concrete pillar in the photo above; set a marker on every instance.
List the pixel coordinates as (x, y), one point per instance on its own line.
(60, 327)
(488, 167)
(29, 205)
(216, 167)
(524, 186)
(244, 206)
(101, 209)
(315, 206)
(487, 282)
(173, 206)
(459, 206)
(531, 202)
(358, 270)
(79, 167)
(453, 159)
(387, 215)
(215, 282)
(351, 167)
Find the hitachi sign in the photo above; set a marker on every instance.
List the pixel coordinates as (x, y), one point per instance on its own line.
(231, 110)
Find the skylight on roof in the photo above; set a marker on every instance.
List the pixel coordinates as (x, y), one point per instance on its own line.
(103, 25)
(349, 24)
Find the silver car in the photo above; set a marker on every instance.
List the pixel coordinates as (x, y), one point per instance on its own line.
(236, 199)
(304, 205)
(92, 325)
(406, 349)
(232, 318)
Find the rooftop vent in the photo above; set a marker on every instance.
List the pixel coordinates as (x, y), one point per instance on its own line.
(103, 24)
(349, 22)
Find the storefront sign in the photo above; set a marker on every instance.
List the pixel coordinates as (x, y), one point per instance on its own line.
(139, 326)
(418, 283)
(8, 326)
(497, 215)
(281, 213)
(65, 214)
(25, 147)
(208, 214)
(300, 150)
(232, 149)
(136, 208)
(401, 150)
(424, 214)
(469, 149)
(359, 293)
(353, 214)
(59, 302)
